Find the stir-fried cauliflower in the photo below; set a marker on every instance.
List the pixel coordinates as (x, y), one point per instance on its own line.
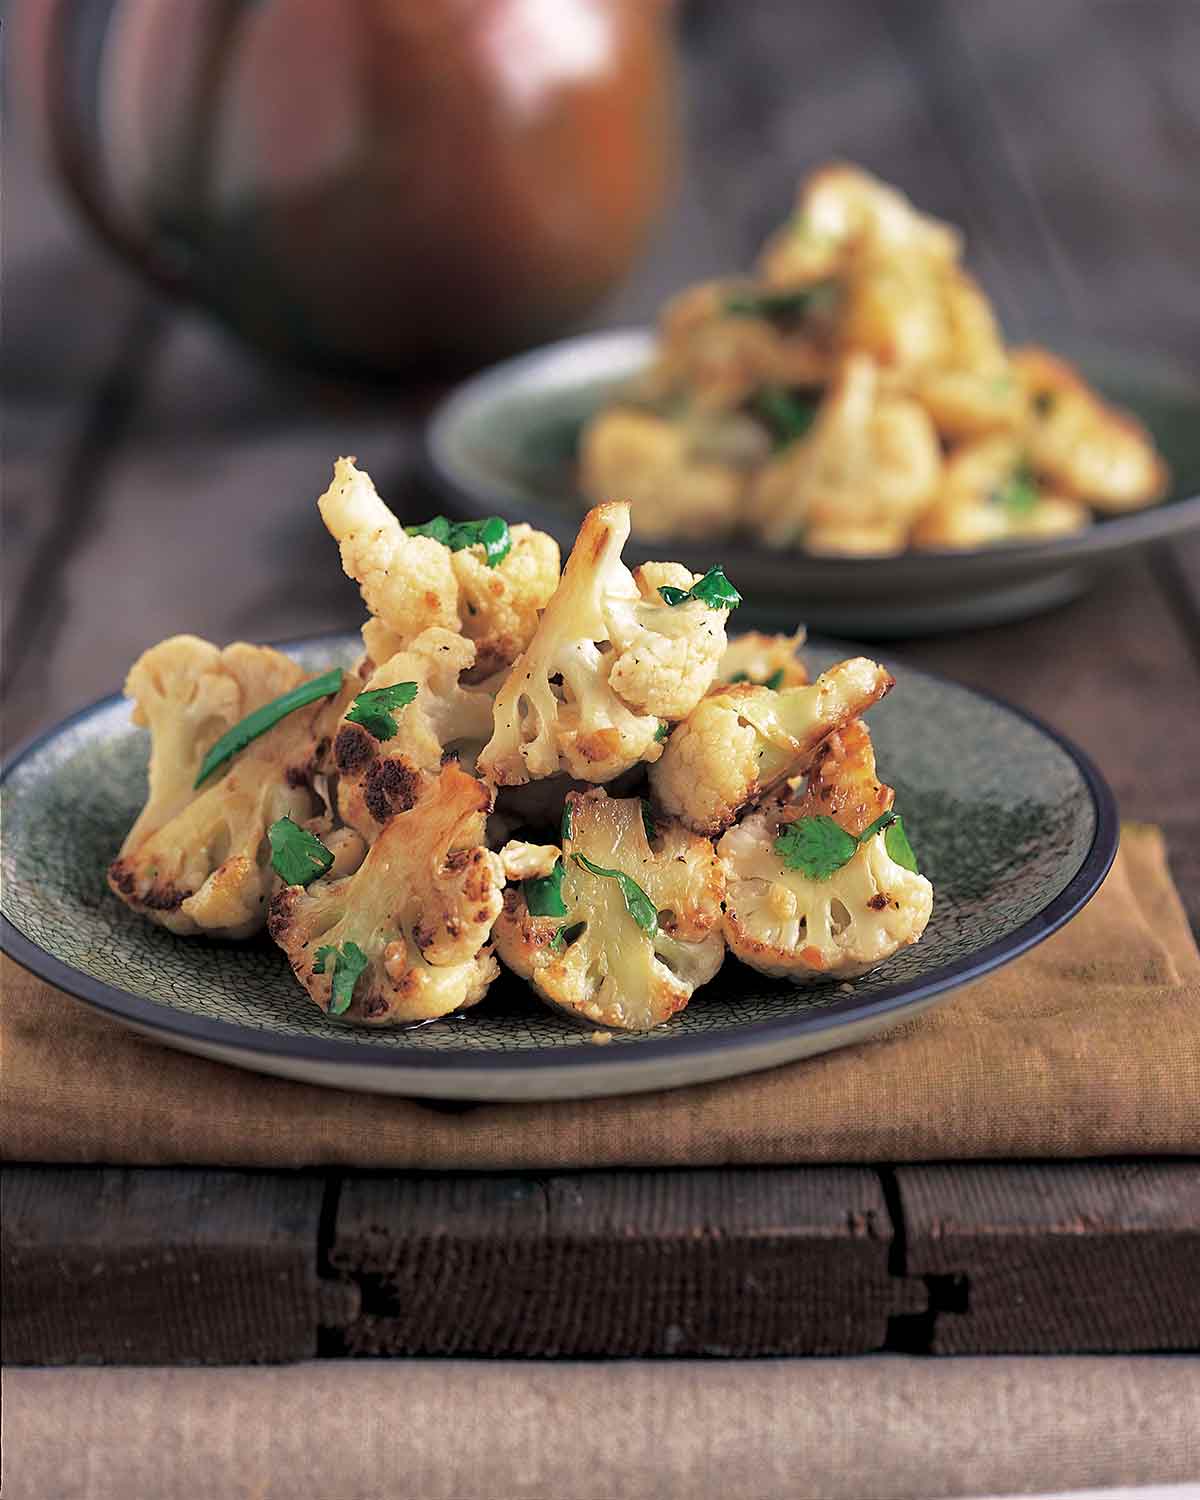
(206, 868)
(988, 494)
(652, 462)
(842, 213)
(419, 911)
(378, 778)
(1084, 447)
(869, 465)
(739, 744)
(794, 925)
(599, 960)
(765, 660)
(609, 662)
(412, 582)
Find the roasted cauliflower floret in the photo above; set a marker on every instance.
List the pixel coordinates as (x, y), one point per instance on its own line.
(739, 744)
(817, 889)
(867, 467)
(627, 927)
(405, 938)
(188, 692)
(1085, 448)
(407, 581)
(989, 494)
(650, 462)
(500, 605)
(765, 660)
(843, 212)
(378, 778)
(608, 663)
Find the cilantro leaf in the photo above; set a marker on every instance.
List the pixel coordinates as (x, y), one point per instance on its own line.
(373, 708)
(714, 589)
(568, 821)
(346, 965)
(895, 841)
(816, 847)
(543, 894)
(637, 903)
(781, 306)
(297, 856)
(265, 718)
(1018, 494)
(774, 682)
(884, 820)
(647, 818)
(788, 414)
(492, 534)
(661, 732)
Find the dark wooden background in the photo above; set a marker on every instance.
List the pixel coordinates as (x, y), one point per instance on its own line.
(158, 477)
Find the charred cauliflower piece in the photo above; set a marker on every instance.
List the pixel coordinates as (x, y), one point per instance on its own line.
(410, 582)
(610, 660)
(739, 744)
(378, 778)
(188, 692)
(651, 462)
(764, 660)
(869, 465)
(1084, 447)
(989, 494)
(405, 938)
(813, 890)
(843, 212)
(628, 925)
(207, 868)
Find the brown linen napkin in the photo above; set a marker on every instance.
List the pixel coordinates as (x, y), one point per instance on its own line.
(1088, 1046)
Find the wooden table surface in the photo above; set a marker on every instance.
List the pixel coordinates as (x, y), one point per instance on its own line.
(160, 478)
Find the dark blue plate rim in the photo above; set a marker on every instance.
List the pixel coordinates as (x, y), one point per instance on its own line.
(158, 1016)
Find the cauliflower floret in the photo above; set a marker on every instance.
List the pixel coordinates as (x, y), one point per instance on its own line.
(869, 465)
(500, 606)
(843, 211)
(607, 664)
(739, 744)
(1086, 448)
(767, 660)
(788, 923)
(648, 460)
(378, 778)
(188, 692)
(208, 869)
(987, 495)
(596, 959)
(407, 581)
(974, 391)
(419, 910)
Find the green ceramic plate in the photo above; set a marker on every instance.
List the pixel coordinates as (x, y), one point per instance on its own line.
(1013, 825)
(505, 441)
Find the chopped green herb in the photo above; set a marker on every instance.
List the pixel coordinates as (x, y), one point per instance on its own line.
(740, 677)
(788, 415)
(782, 307)
(565, 936)
(662, 731)
(374, 708)
(637, 903)
(816, 847)
(568, 821)
(347, 965)
(491, 534)
(297, 856)
(1018, 494)
(265, 718)
(543, 894)
(647, 818)
(714, 589)
(774, 682)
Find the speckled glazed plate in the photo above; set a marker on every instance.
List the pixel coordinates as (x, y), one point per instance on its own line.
(505, 442)
(1013, 825)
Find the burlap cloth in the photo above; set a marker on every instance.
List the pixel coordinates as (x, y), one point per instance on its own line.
(883, 1427)
(1088, 1046)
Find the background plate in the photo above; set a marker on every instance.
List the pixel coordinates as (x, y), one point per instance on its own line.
(1013, 826)
(505, 441)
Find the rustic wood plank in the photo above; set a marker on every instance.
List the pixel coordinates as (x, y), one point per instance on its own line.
(1046, 1257)
(158, 1267)
(1115, 672)
(607, 1264)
